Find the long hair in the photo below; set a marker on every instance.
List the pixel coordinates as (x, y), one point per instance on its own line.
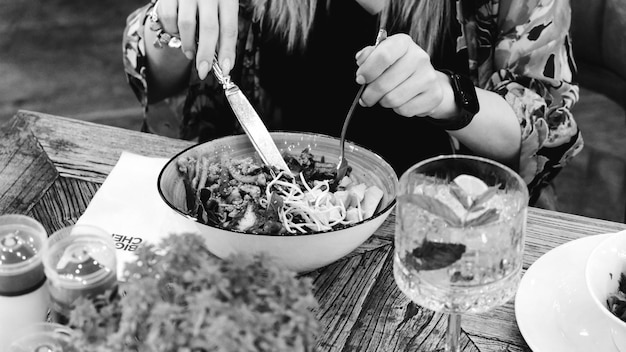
(291, 19)
(426, 21)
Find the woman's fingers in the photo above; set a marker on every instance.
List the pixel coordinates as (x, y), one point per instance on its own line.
(167, 11)
(208, 32)
(399, 76)
(200, 24)
(428, 95)
(373, 61)
(228, 17)
(363, 54)
(187, 24)
(390, 78)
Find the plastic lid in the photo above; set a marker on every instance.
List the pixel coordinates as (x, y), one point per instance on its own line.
(80, 256)
(21, 241)
(79, 262)
(16, 246)
(42, 337)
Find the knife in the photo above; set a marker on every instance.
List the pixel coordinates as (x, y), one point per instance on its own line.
(250, 121)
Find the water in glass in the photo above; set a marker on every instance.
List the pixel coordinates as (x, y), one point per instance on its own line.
(460, 224)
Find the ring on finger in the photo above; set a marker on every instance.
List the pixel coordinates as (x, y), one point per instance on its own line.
(162, 37)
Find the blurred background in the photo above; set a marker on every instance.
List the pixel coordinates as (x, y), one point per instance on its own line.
(64, 57)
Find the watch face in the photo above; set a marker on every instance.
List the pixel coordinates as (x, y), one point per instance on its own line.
(466, 94)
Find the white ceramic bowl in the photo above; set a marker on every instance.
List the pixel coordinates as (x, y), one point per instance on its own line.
(602, 273)
(301, 253)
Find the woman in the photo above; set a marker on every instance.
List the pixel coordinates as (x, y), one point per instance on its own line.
(491, 78)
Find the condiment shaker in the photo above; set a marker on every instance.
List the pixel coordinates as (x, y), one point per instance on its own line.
(23, 294)
(79, 261)
(42, 337)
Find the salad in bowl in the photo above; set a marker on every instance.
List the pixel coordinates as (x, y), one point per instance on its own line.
(304, 219)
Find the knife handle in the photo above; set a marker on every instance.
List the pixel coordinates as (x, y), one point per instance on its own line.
(224, 80)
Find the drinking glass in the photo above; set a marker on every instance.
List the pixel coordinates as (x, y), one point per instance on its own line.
(459, 236)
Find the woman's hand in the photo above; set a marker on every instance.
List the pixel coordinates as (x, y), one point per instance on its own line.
(400, 76)
(203, 26)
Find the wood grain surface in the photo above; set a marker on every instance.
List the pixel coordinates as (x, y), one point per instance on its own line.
(51, 167)
(26, 170)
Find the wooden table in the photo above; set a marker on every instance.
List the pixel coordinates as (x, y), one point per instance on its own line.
(50, 168)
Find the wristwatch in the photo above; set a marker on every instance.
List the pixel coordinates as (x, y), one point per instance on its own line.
(465, 99)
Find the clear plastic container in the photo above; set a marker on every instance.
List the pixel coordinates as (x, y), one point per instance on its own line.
(23, 294)
(42, 337)
(79, 261)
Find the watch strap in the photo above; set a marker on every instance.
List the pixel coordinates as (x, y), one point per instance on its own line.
(465, 99)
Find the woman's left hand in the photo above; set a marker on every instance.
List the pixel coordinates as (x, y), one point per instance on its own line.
(400, 76)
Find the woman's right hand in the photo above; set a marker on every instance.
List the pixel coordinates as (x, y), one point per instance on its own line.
(203, 26)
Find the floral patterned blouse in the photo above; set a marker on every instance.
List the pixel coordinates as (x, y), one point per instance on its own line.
(518, 49)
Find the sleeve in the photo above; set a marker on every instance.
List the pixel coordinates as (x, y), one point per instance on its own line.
(167, 115)
(134, 53)
(533, 71)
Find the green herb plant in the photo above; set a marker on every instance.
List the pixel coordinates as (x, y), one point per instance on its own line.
(472, 206)
(180, 297)
(616, 302)
(433, 255)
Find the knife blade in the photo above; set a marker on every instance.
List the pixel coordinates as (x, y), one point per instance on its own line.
(250, 121)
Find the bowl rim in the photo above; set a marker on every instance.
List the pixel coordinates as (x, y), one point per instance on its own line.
(378, 214)
(602, 246)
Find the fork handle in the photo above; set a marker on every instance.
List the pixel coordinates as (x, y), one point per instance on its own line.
(344, 129)
(382, 35)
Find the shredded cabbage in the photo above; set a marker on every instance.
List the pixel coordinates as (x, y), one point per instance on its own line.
(312, 208)
(242, 195)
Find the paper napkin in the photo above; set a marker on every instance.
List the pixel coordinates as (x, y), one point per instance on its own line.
(129, 207)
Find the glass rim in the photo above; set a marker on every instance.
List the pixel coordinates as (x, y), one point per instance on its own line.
(498, 164)
(522, 207)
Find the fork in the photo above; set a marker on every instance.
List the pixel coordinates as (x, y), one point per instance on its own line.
(342, 165)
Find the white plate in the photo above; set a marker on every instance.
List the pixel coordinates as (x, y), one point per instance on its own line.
(553, 309)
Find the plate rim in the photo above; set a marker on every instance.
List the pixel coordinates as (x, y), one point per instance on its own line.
(530, 274)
